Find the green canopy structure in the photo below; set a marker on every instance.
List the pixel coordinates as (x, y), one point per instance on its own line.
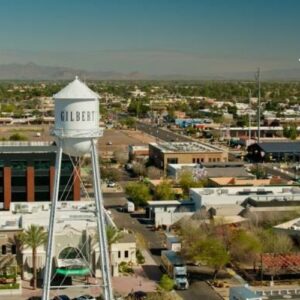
(73, 272)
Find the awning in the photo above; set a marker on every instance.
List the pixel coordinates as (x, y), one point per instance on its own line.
(73, 272)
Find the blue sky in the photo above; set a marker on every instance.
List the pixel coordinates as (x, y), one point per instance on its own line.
(152, 36)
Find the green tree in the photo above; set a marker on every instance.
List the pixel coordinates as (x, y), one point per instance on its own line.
(187, 181)
(258, 171)
(290, 131)
(275, 243)
(112, 174)
(211, 252)
(33, 237)
(113, 235)
(139, 169)
(245, 246)
(17, 137)
(166, 283)
(121, 156)
(130, 122)
(138, 193)
(153, 172)
(164, 191)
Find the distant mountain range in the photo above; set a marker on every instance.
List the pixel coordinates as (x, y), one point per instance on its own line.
(32, 71)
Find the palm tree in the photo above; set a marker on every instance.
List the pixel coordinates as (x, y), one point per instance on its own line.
(113, 235)
(33, 237)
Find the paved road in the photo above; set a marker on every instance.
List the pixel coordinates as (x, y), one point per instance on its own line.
(198, 289)
(162, 134)
(277, 172)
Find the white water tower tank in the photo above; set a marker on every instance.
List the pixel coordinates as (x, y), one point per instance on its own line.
(76, 117)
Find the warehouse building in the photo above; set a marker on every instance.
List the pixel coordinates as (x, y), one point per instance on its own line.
(216, 170)
(274, 151)
(162, 154)
(27, 173)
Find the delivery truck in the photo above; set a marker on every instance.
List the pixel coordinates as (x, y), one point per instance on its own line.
(175, 267)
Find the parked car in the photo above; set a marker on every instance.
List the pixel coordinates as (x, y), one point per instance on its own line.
(62, 297)
(111, 184)
(85, 297)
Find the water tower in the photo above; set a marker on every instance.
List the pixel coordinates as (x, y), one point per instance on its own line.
(76, 131)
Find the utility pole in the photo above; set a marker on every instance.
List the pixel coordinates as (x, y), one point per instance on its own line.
(258, 107)
(249, 117)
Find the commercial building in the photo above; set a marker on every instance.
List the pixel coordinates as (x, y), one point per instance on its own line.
(168, 212)
(263, 293)
(233, 181)
(27, 173)
(236, 200)
(76, 245)
(162, 154)
(216, 170)
(138, 152)
(274, 151)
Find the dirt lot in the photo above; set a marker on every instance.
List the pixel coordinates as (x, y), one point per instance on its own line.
(111, 140)
(30, 131)
(120, 139)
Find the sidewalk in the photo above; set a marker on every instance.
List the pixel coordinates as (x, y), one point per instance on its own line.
(132, 283)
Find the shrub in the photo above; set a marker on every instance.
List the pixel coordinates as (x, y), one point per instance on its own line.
(124, 268)
(17, 137)
(166, 283)
(139, 256)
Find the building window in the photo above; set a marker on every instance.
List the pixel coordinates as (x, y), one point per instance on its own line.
(19, 164)
(198, 160)
(218, 159)
(209, 160)
(119, 254)
(67, 165)
(202, 159)
(194, 160)
(42, 165)
(3, 249)
(126, 254)
(172, 160)
(13, 249)
(214, 160)
(1, 163)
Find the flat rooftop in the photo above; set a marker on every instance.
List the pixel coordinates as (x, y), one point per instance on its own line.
(27, 147)
(292, 224)
(163, 203)
(267, 293)
(78, 214)
(186, 147)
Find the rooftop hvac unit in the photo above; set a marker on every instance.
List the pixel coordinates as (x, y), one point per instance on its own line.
(11, 223)
(295, 190)
(224, 191)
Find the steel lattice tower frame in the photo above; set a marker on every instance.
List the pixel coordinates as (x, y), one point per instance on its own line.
(100, 218)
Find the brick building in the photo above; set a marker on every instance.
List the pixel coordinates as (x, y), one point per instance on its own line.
(162, 154)
(27, 173)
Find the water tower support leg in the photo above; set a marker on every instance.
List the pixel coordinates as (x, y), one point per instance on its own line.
(100, 217)
(49, 253)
